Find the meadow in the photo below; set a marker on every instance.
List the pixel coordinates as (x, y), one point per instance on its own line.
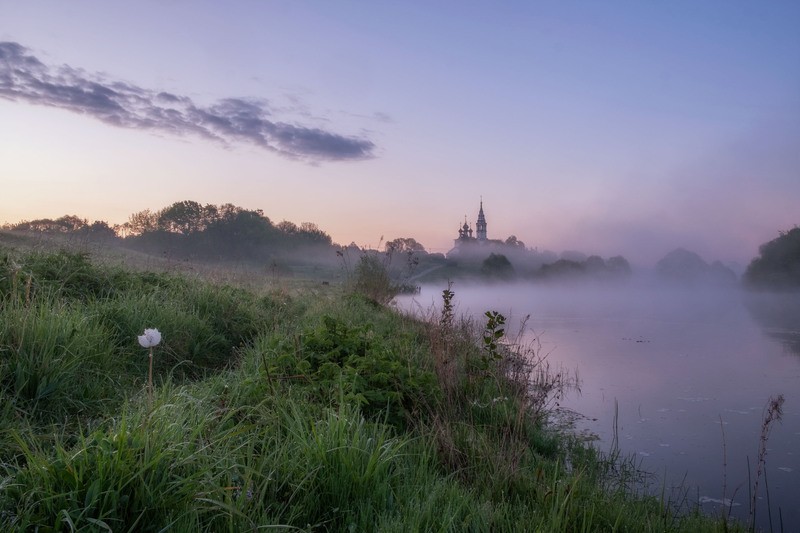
(286, 406)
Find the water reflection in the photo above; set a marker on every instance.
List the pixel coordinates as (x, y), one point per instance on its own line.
(778, 315)
(677, 376)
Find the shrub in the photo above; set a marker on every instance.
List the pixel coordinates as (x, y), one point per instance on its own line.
(371, 280)
(369, 370)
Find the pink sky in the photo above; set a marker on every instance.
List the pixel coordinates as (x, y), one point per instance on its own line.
(612, 128)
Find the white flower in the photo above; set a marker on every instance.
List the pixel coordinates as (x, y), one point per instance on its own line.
(150, 338)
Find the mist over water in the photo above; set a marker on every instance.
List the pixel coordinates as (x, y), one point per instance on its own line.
(678, 366)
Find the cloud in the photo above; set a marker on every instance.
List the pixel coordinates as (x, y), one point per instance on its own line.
(24, 78)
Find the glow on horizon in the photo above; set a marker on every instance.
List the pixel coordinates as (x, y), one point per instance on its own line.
(623, 128)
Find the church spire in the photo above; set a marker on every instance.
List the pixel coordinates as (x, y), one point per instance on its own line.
(480, 226)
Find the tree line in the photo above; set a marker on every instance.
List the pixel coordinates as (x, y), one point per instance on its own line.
(189, 229)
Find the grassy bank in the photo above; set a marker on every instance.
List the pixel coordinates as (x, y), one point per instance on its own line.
(317, 409)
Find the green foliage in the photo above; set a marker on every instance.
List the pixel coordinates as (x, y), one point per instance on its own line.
(371, 279)
(68, 330)
(778, 265)
(111, 480)
(492, 334)
(54, 360)
(61, 274)
(446, 319)
(370, 370)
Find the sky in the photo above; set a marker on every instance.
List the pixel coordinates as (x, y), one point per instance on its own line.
(619, 127)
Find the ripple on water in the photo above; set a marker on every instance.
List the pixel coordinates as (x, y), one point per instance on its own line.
(694, 400)
(738, 411)
(726, 502)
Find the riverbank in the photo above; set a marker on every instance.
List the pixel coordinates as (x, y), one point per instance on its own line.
(310, 408)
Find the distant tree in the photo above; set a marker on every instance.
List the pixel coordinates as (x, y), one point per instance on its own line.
(683, 266)
(497, 266)
(573, 255)
(309, 233)
(65, 224)
(100, 229)
(778, 264)
(237, 232)
(183, 217)
(288, 228)
(563, 268)
(403, 245)
(513, 241)
(191, 230)
(140, 222)
(595, 265)
(619, 266)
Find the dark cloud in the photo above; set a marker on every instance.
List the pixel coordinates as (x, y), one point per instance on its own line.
(24, 78)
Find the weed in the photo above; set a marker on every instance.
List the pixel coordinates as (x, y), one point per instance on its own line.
(772, 412)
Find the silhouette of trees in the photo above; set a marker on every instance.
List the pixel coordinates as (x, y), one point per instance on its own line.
(191, 230)
(683, 266)
(66, 225)
(513, 241)
(497, 266)
(140, 222)
(778, 265)
(403, 245)
(186, 217)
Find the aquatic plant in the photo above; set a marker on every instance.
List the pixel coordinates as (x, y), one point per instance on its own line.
(772, 412)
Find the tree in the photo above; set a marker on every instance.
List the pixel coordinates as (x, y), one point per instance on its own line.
(561, 269)
(310, 233)
(497, 266)
(288, 228)
(619, 266)
(402, 245)
(778, 264)
(141, 222)
(65, 224)
(513, 241)
(183, 217)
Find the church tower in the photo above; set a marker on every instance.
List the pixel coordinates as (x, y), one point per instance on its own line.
(480, 226)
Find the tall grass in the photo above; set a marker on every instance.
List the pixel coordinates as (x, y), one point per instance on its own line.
(321, 412)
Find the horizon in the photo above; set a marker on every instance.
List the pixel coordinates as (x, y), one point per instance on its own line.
(616, 129)
(738, 268)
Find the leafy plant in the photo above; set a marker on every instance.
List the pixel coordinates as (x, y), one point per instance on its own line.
(368, 369)
(371, 279)
(492, 334)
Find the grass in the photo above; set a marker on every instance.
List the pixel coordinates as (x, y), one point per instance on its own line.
(312, 410)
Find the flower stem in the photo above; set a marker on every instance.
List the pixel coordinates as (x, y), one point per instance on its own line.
(150, 380)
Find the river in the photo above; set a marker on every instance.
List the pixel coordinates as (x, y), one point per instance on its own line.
(681, 377)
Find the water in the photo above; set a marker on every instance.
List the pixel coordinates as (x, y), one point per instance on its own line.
(688, 373)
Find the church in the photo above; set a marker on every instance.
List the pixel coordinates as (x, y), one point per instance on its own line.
(465, 234)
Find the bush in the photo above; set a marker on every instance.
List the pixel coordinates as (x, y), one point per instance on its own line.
(367, 369)
(371, 280)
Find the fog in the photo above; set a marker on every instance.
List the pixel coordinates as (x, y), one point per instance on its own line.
(674, 364)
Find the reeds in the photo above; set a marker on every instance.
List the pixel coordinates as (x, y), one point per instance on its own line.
(773, 412)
